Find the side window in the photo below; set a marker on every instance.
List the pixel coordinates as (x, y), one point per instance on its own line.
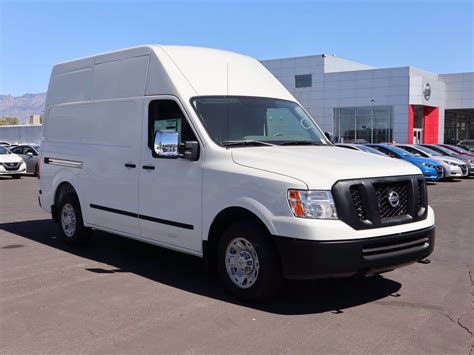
(29, 150)
(411, 150)
(17, 150)
(167, 115)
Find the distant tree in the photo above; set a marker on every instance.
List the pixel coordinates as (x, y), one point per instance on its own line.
(7, 120)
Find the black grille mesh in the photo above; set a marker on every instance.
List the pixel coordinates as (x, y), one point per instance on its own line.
(385, 208)
(359, 207)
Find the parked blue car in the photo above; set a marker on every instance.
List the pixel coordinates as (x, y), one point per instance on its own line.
(431, 169)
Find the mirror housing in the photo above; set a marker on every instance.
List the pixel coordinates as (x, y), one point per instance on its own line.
(30, 154)
(191, 150)
(330, 137)
(166, 144)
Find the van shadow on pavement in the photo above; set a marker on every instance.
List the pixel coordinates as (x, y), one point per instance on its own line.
(189, 273)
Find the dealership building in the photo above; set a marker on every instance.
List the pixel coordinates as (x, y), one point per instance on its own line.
(357, 101)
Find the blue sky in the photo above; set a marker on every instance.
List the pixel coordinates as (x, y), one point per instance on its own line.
(433, 35)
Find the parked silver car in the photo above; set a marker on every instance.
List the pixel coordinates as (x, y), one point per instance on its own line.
(29, 153)
(453, 167)
(469, 160)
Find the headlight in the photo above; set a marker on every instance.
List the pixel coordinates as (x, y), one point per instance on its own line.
(428, 165)
(312, 204)
(450, 163)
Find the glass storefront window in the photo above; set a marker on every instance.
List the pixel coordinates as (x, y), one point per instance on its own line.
(458, 125)
(372, 124)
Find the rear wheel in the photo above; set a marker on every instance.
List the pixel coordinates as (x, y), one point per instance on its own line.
(247, 262)
(71, 227)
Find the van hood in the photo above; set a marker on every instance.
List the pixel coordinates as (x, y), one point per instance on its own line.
(319, 167)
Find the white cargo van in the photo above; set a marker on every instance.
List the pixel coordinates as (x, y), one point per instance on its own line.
(203, 151)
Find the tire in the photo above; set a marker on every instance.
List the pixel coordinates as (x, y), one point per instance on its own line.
(16, 176)
(36, 170)
(260, 278)
(70, 223)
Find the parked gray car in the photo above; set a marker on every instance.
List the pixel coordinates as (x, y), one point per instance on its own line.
(29, 153)
(453, 167)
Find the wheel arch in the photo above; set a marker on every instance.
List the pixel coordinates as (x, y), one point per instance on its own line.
(222, 220)
(63, 189)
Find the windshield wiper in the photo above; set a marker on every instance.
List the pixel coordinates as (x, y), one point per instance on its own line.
(300, 143)
(245, 143)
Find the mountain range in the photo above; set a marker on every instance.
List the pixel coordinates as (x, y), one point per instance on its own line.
(22, 106)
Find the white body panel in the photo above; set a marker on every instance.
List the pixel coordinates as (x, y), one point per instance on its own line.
(97, 121)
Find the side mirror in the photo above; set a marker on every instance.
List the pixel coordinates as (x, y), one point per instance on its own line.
(191, 150)
(166, 144)
(330, 137)
(30, 154)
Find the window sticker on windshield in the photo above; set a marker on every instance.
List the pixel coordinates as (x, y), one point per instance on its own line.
(305, 123)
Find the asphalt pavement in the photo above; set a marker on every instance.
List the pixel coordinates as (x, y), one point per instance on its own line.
(117, 295)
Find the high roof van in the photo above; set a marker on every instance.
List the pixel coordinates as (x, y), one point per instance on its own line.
(203, 151)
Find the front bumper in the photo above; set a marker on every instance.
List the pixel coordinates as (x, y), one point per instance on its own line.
(13, 171)
(433, 174)
(450, 172)
(308, 259)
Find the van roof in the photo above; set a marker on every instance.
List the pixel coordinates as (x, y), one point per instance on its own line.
(183, 71)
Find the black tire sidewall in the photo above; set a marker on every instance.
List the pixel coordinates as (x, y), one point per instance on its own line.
(269, 275)
(81, 234)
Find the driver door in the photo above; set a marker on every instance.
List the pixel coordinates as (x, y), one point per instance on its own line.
(170, 190)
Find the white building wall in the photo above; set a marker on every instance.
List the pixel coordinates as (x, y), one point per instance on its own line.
(459, 90)
(21, 134)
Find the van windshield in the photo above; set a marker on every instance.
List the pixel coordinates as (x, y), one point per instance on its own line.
(231, 120)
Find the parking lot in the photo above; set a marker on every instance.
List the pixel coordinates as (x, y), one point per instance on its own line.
(119, 295)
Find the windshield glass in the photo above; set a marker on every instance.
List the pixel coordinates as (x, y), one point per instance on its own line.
(444, 150)
(4, 150)
(239, 118)
(429, 151)
(401, 152)
(370, 150)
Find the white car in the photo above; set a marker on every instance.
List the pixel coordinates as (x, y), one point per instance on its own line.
(452, 167)
(11, 164)
(205, 152)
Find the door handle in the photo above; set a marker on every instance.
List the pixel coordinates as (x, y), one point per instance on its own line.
(129, 165)
(148, 167)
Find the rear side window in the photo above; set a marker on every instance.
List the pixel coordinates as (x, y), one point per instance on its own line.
(17, 150)
(167, 115)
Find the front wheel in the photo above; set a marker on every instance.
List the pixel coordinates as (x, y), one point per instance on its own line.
(248, 263)
(71, 227)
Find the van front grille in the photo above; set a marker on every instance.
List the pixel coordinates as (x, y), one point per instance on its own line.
(381, 202)
(384, 194)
